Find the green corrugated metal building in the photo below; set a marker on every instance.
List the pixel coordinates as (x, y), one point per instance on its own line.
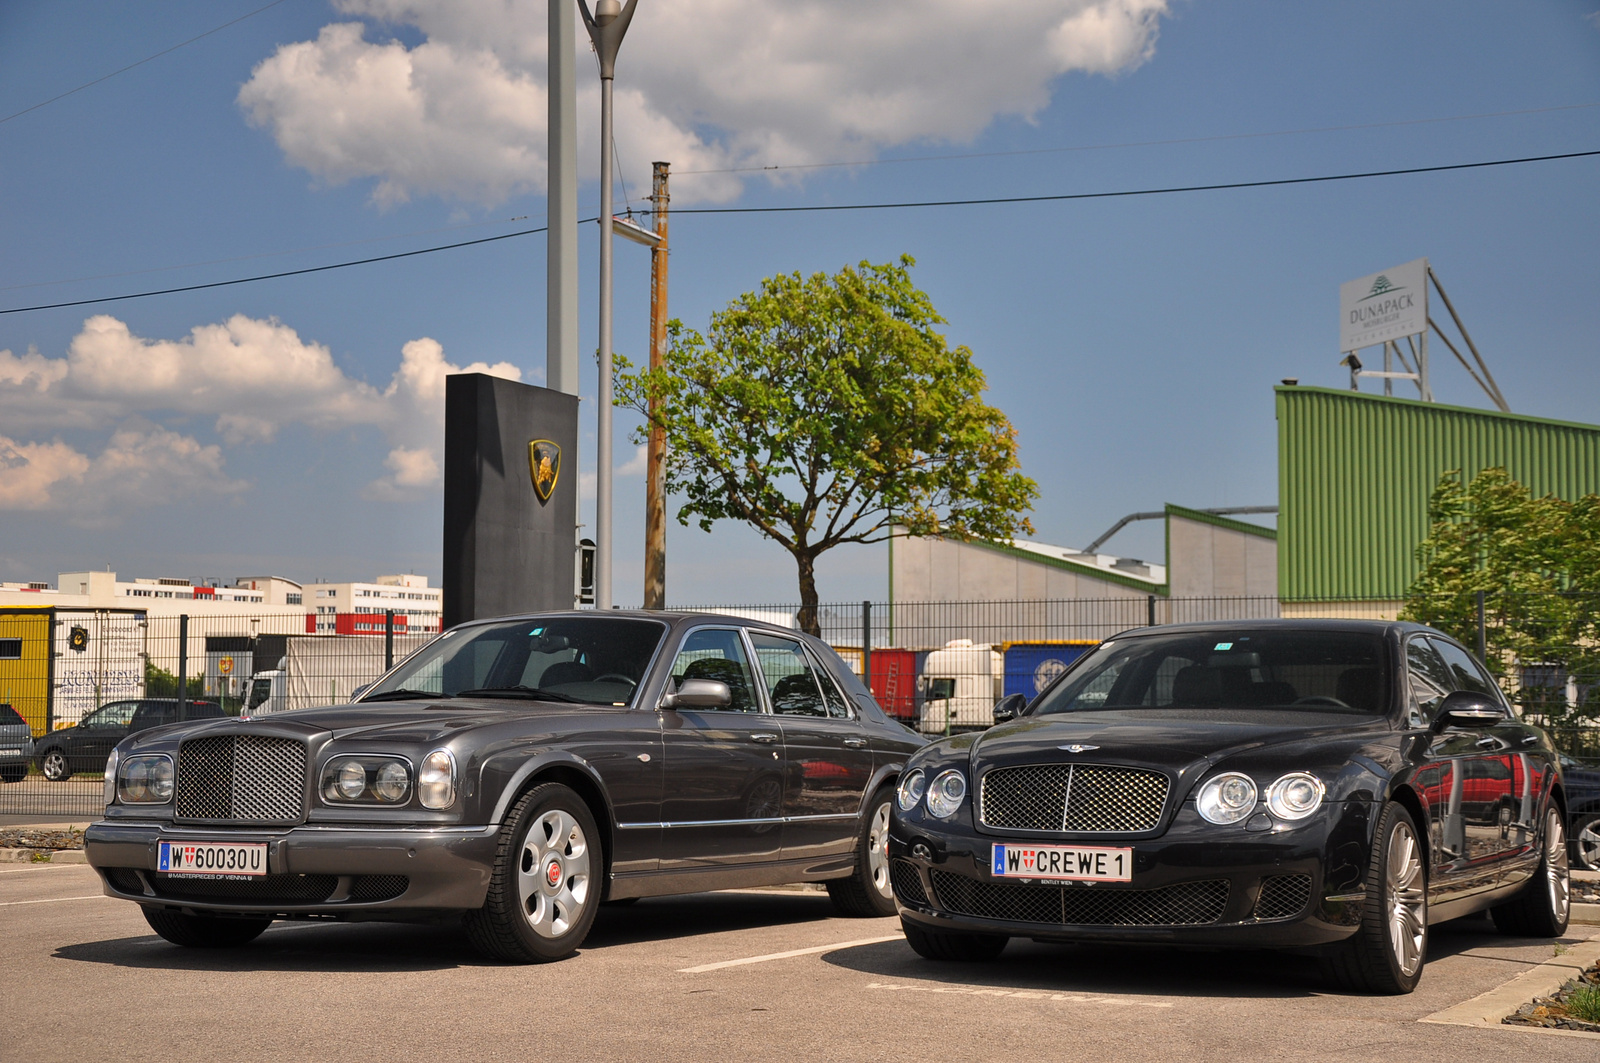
(1355, 472)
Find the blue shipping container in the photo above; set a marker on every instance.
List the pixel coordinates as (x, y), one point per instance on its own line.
(1031, 666)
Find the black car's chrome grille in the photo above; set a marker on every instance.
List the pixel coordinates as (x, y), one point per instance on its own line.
(907, 883)
(1094, 798)
(1182, 904)
(1283, 896)
(247, 778)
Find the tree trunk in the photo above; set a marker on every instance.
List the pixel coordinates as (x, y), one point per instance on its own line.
(809, 622)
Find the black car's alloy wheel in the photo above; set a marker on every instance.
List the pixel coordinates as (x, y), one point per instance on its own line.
(1386, 954)
(204, 931)
(1543, 907)
(54, 766)
(943, 945)
(1586, 843)
(545, 887)
(867, 893)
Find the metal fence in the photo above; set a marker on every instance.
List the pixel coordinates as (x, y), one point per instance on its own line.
(936, 665)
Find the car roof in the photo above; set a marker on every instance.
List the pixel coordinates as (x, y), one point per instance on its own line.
(1375, 627)
(672, 619)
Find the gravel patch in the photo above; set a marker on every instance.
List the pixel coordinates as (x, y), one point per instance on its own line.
(1554, 1012)
(46, 839)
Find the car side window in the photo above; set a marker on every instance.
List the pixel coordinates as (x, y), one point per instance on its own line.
(1429, 679)
(154, 714)
(116, 714)
(832, 696)
(718, 653)
(791, 685)
(1465, 670)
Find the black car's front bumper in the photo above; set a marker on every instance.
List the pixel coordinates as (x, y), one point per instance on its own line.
(312, 871)
(1289, 886)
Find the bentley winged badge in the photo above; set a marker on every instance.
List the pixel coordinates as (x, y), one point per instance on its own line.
(544, 465)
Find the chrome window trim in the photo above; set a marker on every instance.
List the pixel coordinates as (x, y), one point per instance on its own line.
(763, 709)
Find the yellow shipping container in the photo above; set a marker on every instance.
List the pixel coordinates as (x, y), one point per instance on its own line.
(25, 664)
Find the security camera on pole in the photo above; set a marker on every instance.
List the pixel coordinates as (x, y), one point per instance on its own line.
(606, 28)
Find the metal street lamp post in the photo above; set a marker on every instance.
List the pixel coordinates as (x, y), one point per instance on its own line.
(606, 28)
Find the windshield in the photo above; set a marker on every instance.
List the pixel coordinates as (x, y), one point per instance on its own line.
(597, 660)
(1314, 671)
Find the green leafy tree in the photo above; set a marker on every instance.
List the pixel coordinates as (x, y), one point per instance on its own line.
(826, 410)
(160, 683)
(1537, 563)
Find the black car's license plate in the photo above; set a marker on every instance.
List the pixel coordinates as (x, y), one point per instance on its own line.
(1082, 863)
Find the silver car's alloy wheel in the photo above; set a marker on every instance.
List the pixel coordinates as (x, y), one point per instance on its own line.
(878, 850)
(1587, 844)
(1558, 878)
(1407, 900)
(553, 874)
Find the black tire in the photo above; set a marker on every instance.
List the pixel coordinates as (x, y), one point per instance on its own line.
(14, 774)
(1542, 908)
(944, 945)
(1585, 845)
(204, 931)
(526, 917)
(867, 894)
(53, 765)
(1387, 953)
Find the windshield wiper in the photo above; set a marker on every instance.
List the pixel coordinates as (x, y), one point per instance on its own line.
(403, 694)
(519, 691)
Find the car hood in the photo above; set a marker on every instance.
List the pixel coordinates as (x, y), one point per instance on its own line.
(1179, 741)
(396, 721)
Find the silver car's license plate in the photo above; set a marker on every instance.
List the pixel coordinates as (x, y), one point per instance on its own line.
(212, 858)
(1080, 863)
(10, 752)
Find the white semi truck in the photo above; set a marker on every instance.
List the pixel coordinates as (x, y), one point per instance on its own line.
(318, 669)
(961, 683)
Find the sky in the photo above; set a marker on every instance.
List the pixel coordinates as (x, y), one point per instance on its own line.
(295, 426)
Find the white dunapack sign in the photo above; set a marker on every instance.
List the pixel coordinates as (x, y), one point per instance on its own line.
(1384, 306)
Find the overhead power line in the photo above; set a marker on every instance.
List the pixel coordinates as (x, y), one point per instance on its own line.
(142, 62)
(956, 156)
(994, 200)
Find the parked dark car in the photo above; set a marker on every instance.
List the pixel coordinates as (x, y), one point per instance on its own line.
(86, 745)
(1583, 811)
(16, 745)
(1333, 785)
(519, 771)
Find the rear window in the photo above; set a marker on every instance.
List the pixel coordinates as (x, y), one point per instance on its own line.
(9, 717)
(1314, 671)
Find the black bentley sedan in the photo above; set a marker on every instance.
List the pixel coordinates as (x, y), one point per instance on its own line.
(520, 772)
(1331, 785)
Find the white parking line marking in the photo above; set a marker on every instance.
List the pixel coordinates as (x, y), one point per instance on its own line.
(52, 900)
(1020, 994)
(704, 967)
(38, 867)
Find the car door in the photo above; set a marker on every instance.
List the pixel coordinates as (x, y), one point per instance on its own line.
(1515, 760)
(722, 803)
(829, 758)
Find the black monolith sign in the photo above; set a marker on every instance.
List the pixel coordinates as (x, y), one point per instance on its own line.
(510, 497)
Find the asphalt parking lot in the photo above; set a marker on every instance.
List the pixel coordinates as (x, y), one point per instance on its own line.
(714, 976)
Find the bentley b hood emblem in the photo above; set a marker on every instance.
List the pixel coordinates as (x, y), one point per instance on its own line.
(1077, 747)
(544, 465)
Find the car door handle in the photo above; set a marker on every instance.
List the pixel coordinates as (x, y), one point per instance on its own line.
(1488, 743)
(766, 737)
(855, 743)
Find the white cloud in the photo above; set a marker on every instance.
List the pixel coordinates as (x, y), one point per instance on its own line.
(253, 376)
(703, 83)
(636, 465)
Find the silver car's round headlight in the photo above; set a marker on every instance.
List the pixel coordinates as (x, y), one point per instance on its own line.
(145, 779)
(394, 782)
(350, 782)
(911, 789)
(946, 792)
(1226, 798)
(1296, 795)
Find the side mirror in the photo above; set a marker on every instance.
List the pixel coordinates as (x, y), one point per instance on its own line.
(1468, 709)
(699, 694)
(1009, 708)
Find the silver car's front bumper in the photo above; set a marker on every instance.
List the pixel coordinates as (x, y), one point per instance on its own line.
(312, 871)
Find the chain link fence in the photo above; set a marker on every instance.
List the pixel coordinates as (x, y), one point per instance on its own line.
(937, 666)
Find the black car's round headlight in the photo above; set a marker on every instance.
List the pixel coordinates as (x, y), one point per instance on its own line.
(1296, 795)
(912, 786)
(1226, 798)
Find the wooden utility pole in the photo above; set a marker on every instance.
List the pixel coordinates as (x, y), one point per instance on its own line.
(655, 475)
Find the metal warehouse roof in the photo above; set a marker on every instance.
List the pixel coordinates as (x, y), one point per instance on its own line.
(1355, 472)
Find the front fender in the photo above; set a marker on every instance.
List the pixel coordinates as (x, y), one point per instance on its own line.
(506, 775)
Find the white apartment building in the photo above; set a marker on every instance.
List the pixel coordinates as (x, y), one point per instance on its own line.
(360, 608)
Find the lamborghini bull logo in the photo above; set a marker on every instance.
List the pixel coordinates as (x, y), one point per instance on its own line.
(544, 465)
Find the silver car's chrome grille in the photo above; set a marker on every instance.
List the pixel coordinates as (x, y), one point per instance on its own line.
(1093, 798)
(247, 778)
(1181, 904)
